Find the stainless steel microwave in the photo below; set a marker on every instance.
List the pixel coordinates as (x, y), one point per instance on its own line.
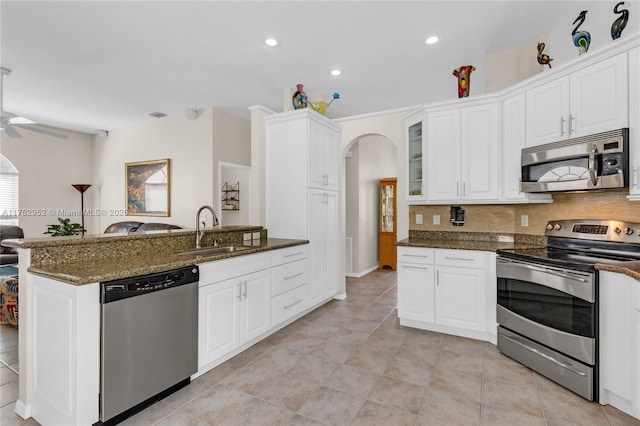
(597, 161)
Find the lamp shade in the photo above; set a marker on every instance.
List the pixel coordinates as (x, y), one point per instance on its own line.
(81, 187)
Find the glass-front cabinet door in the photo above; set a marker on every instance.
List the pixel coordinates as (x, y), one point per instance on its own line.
(416, 143)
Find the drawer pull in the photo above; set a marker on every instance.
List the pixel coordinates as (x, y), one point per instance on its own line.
(294, 254)
(415, 255)
(294, 303)
(459, 258)
(414, 268)
(293, 276)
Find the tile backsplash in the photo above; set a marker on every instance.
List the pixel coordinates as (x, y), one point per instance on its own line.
(506, 218)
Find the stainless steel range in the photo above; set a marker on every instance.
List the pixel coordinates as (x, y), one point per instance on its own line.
(548, 299)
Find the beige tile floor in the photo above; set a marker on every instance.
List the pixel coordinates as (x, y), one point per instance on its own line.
(350, 363)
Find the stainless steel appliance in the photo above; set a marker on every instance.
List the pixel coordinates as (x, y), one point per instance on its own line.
(598, 161)
(149, 340)
(548, 299)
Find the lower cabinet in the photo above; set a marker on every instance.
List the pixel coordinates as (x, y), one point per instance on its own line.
(233, 312)
(619, 342)
(447, 291)
(245, 298)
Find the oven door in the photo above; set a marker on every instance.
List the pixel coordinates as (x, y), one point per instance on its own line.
(552, 306)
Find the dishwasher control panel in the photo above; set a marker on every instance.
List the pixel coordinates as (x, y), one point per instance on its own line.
(111, 291)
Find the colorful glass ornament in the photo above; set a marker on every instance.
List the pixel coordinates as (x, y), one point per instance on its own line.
(299, 98)
(581, 39)
(543, 58)
(464, 79)
(621, 22)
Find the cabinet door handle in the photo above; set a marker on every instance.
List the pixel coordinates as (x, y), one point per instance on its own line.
(634, 177)
(562, 120)
(457, 189)
(571, 129)
(464, 188)
(293, 304)
(245, 288)
(240, 291)
(438, 277)
(293, 276)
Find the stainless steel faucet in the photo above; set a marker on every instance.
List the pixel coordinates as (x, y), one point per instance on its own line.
(200, 232)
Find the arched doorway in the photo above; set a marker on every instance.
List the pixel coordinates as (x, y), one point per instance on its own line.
(368, 159)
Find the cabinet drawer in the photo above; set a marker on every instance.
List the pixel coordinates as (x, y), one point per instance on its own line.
(467, 258)
(220, 270)
(289, 304)
(289, 276)
(416, 255)
(290, 254)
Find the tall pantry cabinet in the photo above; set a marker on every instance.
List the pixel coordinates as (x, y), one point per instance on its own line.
(303, 191)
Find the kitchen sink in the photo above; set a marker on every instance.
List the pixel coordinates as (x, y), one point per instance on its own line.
(213, 250)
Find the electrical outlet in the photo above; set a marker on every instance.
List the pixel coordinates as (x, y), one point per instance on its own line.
(436, 219)
(418, 219)
(524, 220)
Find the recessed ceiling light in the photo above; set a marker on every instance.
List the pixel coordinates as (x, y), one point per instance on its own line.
(336, 72)
(271, 42)
(432, 40)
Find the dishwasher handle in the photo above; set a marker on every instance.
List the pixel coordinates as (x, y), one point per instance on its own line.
(112, 291)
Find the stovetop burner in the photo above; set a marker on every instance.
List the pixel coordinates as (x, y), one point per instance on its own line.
(580, 244)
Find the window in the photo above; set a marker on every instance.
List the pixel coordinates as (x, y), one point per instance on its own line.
(8, 192)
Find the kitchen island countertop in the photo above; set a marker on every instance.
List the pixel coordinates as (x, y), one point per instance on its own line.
(81, 272)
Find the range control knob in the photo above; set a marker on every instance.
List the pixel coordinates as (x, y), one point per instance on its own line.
(617, 230)
(549, 227)
(628, 231)
(556, 227)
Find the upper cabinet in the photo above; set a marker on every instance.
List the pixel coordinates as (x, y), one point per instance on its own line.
(324, 147)
(415, 166)
(463, 153)
(590, 100)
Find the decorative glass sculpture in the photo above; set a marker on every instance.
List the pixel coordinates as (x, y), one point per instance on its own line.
(581, 39)
(299, 98)
(321, 106)
(621, 22)
(543, 58)
(464, 79)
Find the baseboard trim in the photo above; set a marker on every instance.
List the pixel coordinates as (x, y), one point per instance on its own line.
(23, 410)
(363, 273)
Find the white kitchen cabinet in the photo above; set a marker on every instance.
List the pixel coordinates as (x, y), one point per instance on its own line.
(447, 291)
(591, 100)
(232, 310)
(513, 140)
(619, 342)
(463, 153)
(461, 298)
(323, 244)
(298, 205)
(416, 157)
(290, 284)
(416, 284)
(634, 124)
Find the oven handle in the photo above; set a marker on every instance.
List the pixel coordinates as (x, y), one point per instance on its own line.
(592, 165)
(545, 270)
(545, 356)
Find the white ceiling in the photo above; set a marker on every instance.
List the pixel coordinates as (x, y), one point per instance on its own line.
(90, 65)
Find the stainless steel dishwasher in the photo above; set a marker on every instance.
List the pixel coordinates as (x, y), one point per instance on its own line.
(149, 340)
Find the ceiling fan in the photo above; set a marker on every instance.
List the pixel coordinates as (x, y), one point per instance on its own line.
(9, 121)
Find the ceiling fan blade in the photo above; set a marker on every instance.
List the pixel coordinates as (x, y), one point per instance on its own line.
(42, 131)
(10, 131)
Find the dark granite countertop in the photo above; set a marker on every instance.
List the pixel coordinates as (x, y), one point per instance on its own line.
(494, 242)
(81, 272)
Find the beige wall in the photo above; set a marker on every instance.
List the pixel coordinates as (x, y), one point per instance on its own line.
(194, 147)
(47, 167)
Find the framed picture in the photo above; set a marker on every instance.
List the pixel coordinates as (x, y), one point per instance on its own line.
(147, 188)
